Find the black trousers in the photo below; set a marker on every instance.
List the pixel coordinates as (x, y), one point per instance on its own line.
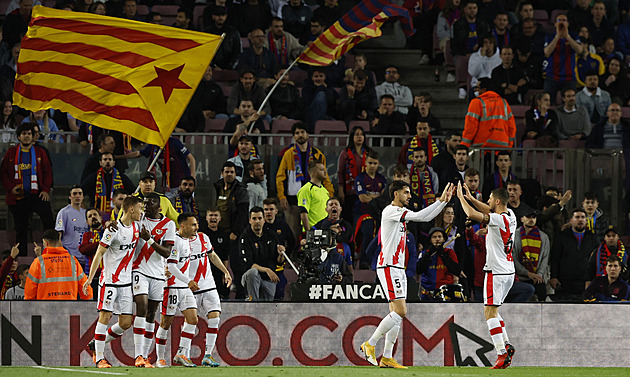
(22, 212)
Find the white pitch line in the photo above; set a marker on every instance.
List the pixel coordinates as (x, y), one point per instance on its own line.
(80, 370)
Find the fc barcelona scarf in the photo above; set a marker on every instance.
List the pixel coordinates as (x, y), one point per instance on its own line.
(530, 250)
(297, 159)
(282, 56)
(103, 200)
(416, 143)
(352, 170)
(498, 180)
(603, 252)
(33, 170)
(422, 185)
(179, 205)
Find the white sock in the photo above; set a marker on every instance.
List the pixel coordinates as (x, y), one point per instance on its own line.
(496, 334)
(390, 320)
(160, 343)
(114, 332)
(390, 340)
(149, 331)
(99, 340)
(506, 340)
(138, 335)
(211, 334)
(188, 332)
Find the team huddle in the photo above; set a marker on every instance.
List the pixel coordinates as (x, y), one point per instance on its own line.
(146, 261)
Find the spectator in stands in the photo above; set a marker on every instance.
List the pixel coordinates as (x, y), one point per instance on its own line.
(105, 143)
(421, 112)
(98, 7)
(560, 48)
(46, 126)
(609, 51)
(352, 162)
(56, 275)
(246, 152)
(256, 183)
(17, 291)
(71, 223)
(154, 18)
(208, 102)
(574, 121)
(7, 72)
(447, 17)
(258, 58)
(510, 82)
(623, 37)
(239, 126)
(585, 38)
(357, 100)
(119, 196)
(230, 197)
(319, 98)
(207, 13)
(285, 238)
(446, 159)
(293, 174)
(360, 64)
(260, 254)
(8, 275)
(91, 238)
(183, 20)
(529, 65)
(422, 140)
(593, 98)
(611, 245)
(184, 200)
(531, 254)
(297, 17)
(228, 53)
(147, 185)
(596, 221)
(610, 287)
(580, 15)
(130, 10)
(247, 88)
(312, 196)
(447, 220)
(471, 179)
(615, 81)
(329, 12)
(501, 176)
(8, 123)
(402, 94)
(27, 178)
(284, 46)
(388, 121)
(343, 228)
(100, 185)
(541, 122)
(481, 63)
(456, 172)
(425, 182)
(251, 14)
(468, 32)
(586, 63)
(532, 35)
(610, 132)
(220, 243)
(514, 202)
(598, 25)
(500, 30)
(437, 265)
(285, 101)
(569, 258)
(16, 23)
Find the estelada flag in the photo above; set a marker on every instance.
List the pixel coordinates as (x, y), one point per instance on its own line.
(360, 23)
(117, 74)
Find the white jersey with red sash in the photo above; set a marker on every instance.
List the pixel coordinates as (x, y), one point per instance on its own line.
(147, 261)
(199, 269)
(117, 261)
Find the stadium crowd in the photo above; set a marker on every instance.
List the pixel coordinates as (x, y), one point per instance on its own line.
(499, 52)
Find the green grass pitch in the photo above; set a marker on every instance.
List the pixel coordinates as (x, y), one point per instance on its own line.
(310, 372)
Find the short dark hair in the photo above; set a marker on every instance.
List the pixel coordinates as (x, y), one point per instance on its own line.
(276, 18)
(299, 126)
(256, 209)
(400, 169)
(228, 164)
(213, 209)
(190, 178)
(591, 195)
(471, 172)
(450, 133)
(612, 258)
(246, 70)
(151, 15)
(504, 152)
(105, 154)
(514, 181)
(74, 187)
(51, 235)
(578, 209)
(387, 96)
(501, 194)
(591, 73)
(333, 198)
(184, 217)
(130, 201)
(101, 138)
(187, 11)
(486, 83)
(153, 196)
(567, 89)
(312, 164)
(373, 154)
(87, 210)
(461, 147)
(360, 75)
(270, 201)
(28, 126)
(396, 186)
(252, 164)
(21, 268)
(119, 191)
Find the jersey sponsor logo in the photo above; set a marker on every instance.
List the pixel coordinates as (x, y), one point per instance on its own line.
(108, 237)
(201, 255)
(60, 223)
(128, 246)
(158, 231)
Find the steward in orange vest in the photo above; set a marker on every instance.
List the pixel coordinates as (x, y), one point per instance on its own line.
(55, 275)
(489, 121)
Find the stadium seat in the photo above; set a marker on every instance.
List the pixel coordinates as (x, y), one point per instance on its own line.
(461, 71)
(298, 77)
(225, 75)
(554, 14)
(571, 144)
(350, 60)
(215, 125)
(142, 10)
(245, 42)
(625, 112)
(361, 123)
(529, 96)
(198, 16)
(168, 12)
(330, 127)
(540, 15)
(519, 111)
(282, 126)
(226, 86)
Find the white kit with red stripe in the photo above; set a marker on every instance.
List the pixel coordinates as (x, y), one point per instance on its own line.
(117, 261)
(499, 243)
(180, 256)
(199, 269)
(147, 261)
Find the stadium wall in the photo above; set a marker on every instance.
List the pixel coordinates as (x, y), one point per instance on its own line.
(447, 334)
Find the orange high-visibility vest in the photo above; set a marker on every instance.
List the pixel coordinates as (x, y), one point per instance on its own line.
(489, 123)
(55, 275)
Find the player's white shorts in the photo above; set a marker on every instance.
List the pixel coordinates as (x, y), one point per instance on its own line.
(145, 285)
(496, 288)
(208, 301)
(116, 299)
(394, 282)
(177, 298)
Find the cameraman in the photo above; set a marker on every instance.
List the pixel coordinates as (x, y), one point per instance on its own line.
(437, 265)
(341, 227)
(334, 269)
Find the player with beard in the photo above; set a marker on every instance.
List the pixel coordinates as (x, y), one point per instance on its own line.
(391, 266)
(499, 266)
(157, 240)
(208, 302)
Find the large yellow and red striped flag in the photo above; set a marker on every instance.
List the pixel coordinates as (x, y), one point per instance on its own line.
(360, 23)
(122, 75)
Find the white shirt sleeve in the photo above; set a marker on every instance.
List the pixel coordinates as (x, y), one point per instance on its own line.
(427, 214)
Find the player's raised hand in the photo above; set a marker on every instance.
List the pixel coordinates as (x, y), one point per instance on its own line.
(144, 233)
(460, 191)
(467, 193)
(448, 193)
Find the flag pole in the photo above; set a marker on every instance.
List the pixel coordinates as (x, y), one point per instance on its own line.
(264, 102)
(151, 165)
